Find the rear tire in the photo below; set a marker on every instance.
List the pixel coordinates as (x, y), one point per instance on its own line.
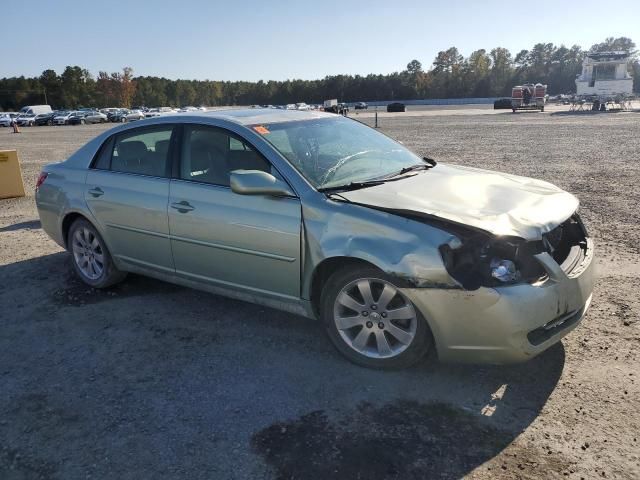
(90, 257)
(391, 333)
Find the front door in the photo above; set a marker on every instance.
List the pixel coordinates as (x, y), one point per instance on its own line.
(223, 238)
(127, 191)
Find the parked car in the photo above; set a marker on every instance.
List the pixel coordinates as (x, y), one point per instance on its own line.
(396, 107)
(78, 118)
(153, 112)
(317, 214)
(26, 119)
(118, 116)
(502, 103)
(134, 115)
(44, 119)
(361, 106)
(6, 118)
(62, 118)
(93, 116)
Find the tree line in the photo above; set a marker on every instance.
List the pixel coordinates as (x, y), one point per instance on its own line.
(482, 74)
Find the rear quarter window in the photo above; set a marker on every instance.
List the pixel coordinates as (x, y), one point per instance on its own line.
(103, 160)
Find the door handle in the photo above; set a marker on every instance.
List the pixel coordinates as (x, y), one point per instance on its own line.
(96, 192)
(183, 206)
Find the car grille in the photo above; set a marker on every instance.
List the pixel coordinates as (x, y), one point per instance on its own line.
(548, 330)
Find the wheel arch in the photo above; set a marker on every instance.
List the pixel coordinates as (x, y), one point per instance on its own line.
(67, 221)
(329, 266)
(324, 270)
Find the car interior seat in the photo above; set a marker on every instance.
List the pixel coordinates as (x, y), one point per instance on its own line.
(247, 160)
(207, 164)
(132, 157)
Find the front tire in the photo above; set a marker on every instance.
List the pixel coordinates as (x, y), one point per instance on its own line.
(371, 322)
(90, 257)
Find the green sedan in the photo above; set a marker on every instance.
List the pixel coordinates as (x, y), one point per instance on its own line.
(398, 256)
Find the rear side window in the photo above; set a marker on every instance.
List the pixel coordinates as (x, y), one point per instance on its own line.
(143, 152)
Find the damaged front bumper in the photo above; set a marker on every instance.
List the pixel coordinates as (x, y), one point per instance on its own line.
(510, 323)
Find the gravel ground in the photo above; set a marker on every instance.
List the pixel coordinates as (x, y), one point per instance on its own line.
(150, 380)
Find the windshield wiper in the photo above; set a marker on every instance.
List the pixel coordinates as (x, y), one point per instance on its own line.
(352, 186)
(365, 184)
(430, 163)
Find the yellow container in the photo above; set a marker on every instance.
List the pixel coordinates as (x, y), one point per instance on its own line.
(10, 175)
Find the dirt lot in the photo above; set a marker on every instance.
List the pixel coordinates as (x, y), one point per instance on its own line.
(149, 380)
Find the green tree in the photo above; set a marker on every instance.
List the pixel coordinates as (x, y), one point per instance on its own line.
(501, 71)
(614, 44)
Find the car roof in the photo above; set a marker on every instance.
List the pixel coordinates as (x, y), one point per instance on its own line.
(253, 116)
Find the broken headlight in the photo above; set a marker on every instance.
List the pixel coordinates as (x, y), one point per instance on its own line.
(481, 260)
(504, 270)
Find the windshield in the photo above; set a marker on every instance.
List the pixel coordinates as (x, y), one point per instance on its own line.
(331, 152)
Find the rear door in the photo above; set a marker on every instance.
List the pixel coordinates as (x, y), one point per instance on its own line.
(249, 242)
(127, 190)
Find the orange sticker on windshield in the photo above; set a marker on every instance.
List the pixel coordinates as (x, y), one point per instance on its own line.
(261, 130)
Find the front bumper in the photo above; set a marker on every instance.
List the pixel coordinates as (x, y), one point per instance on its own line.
(511, 323)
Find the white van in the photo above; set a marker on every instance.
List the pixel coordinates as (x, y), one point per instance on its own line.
(36, 109)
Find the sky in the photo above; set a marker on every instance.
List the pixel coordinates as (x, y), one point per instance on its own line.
(278, 39)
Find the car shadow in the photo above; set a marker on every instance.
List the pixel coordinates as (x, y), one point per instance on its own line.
(236, 380)
(572, 113)
(29, 225)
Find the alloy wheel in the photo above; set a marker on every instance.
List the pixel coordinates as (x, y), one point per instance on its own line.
(374, 318)
(88, 253)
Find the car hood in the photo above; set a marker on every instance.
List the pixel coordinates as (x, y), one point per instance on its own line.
(499, 203)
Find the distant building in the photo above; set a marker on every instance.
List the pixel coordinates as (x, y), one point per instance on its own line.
(605, 73)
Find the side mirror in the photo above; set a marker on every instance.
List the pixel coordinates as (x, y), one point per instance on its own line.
(257, 182)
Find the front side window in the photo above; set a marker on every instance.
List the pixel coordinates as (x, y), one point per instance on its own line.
(336, 151)
(209, 154)
(143, 152)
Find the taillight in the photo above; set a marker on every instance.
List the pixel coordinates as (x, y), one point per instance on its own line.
(41, 179)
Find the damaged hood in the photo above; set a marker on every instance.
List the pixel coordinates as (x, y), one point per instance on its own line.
(499, 203)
